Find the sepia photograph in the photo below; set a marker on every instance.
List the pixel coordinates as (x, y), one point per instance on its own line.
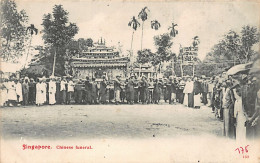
(129, 81)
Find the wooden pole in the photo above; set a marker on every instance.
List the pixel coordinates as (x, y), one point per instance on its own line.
(193, 69)
(54, 62)
(181, 70)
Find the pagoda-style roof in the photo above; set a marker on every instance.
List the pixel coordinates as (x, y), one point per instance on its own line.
(101, 59)
(82, 64)
(100, 62)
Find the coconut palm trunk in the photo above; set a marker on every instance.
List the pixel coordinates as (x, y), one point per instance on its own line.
(28, 52)
(140, 67)
(142, 36)
(132, 40)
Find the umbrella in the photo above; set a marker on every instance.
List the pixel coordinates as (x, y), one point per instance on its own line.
(255, 67)
(241, 68)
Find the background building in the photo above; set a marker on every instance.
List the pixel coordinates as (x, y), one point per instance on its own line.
(99, 60)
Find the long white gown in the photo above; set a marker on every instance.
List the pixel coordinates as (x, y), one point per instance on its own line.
(52, 92)
(19, 91)
(11, 91)
(197, 100)
(188, 88)
(241, 119)
(39, 94)
(3, 94)
(44, 88)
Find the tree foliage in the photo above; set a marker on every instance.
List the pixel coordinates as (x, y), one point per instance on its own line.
(163, 44)
(234, 48)
(13, 31)
(143, 14)
(145, 56)
(134, 23)
(163, 53)
(238, 46)
(57, 30)
(155, 24)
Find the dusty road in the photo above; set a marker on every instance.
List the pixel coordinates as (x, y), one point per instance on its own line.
(107, 121)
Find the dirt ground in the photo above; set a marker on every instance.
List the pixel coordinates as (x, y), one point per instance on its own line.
(107, 121)
(118, 133)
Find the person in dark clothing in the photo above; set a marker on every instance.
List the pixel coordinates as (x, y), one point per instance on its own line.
(32, 92)
(136, 90)
(79, 92)
(143, 90)
(94, 91)
(165, 90)
(103, 90)
(130, 89)
(205, 90)
(180, 89)
(88, 89)
(249, 93)
(172, 91)
(169, 90)
(58, 92)
(25, 89)
(197, 90)
(156, 91)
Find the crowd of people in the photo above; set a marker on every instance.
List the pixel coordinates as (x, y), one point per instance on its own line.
(233, 98)
(134, 90)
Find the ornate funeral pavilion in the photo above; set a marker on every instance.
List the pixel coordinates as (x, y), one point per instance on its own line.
(99, 60)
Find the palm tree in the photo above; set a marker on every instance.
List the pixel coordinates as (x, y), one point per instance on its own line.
(32, 30)
(173, 31)
(134, 24)
(196, 41)
(143, 16)
(155, 24)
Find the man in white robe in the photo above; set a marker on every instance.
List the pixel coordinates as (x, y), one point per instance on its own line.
(40, 93)
(52, 91)
(188, 90)
(19, 92)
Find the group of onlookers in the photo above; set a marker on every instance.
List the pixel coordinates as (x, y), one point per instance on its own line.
(234, 99)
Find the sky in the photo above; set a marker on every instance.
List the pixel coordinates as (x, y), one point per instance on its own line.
(109, 20)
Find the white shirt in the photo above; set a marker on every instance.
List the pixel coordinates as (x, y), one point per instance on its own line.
(70, 86)
(188, 87)
(62, 86)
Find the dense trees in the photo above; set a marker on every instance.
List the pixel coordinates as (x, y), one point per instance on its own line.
(58, 32)
(13, 26)
(234, 48)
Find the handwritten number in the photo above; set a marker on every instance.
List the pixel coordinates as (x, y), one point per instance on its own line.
(238, 150)
(246, 149)
(242, 149)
